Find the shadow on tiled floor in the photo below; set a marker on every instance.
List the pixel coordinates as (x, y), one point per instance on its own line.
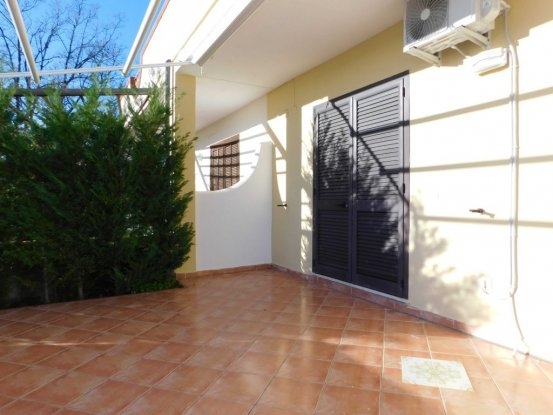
(259, 342)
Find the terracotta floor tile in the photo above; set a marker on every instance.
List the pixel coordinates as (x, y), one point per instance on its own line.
(70, 358)
(258, 363)
(314, 349)
(298, 319)
(476, 408)
(9, 346)
(283, 330)
(71, 337)
(397, 404)
(247, 327)
(231, 340)
(22, 407)
(350, 401)
(291, 394)
(259, 315)
(108, 398)
(213, 357)
(452, 345)
(484, 391)
(100, 324)
(42, 332)
(404, 327)
(108, 364)
(124, 313)
(547, 369)
(239, 387)
(408, 342)
(66, 388)
(267, 410)
(7, 369)
(198, 336)
(73, 320)
(26, 380)
(16, 328)
(308, 370)
(4, 400)
(359, 355)
(322, 335)
(392, 315)
(354, 376)
(368, 313)
(145, 371)
(137, 346)
(329, 322)
(527, 398)
(158, 401)
(106, 340)
(189, 379)
(338, 301)
(173, 352)
(363, 324)
(213, 323)
(392, 383)
(155, 316)
(66, 411)
(276, 345)
(133, 327)
(33, 353)
(163, 332)
(392, 357)
(209, 405)
(436, 330)
(516, 368)
(362, 338)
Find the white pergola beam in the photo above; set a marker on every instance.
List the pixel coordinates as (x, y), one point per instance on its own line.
(17, 19)
(141, 35)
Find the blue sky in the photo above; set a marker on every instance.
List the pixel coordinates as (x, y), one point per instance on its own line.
(133, 12)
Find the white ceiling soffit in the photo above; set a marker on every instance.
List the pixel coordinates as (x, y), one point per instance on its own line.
(280, 40)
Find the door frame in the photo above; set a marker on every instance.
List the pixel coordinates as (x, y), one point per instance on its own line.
(403, 245)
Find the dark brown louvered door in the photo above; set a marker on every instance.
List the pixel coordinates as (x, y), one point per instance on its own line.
(380, 204)
(333, 190)
(371, 242)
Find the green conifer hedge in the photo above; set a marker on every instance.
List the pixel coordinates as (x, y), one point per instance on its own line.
(91, 201)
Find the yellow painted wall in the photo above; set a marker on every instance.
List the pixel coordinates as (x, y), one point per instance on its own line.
(460, 138)
(185, 115)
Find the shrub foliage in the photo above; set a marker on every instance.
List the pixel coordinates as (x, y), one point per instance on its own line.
(91, 201)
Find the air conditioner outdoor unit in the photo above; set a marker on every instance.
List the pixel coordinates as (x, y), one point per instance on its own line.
(431, 26)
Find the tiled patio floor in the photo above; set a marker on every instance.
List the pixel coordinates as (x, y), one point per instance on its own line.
(259, 342)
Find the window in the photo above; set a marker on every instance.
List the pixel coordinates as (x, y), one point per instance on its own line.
(225, 163)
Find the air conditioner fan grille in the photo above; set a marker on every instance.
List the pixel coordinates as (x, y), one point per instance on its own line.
(424, 17)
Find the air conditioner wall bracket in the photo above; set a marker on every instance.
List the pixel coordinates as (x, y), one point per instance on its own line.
(481, 40)
(431, 58)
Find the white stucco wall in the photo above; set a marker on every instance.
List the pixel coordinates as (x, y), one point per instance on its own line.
(233, 226)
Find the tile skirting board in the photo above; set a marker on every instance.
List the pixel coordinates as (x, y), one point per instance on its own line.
(395, 304)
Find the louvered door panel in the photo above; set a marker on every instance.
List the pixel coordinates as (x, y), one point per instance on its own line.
(333, 190)
(379, 199)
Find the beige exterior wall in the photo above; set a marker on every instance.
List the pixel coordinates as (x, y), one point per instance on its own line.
(185, 116)
(460, 147)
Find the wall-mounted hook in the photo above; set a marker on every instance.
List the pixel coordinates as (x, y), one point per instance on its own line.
(482, 212)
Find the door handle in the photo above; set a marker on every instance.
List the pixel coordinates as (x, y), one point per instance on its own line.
(343, 205)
